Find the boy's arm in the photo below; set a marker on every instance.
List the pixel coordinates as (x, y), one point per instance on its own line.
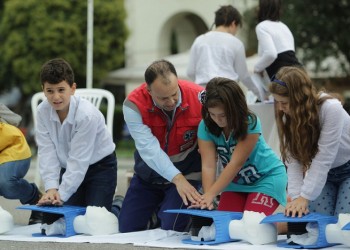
(82, 148)
(7, 116)
(49, 164)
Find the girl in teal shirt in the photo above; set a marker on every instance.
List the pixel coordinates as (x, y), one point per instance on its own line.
(253, 177)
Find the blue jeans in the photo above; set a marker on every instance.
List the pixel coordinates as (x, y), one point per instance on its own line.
(12, 184)
(143, 199)
(97, 188)
(335, 195)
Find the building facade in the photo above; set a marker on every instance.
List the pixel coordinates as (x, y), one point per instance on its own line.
(166, 29)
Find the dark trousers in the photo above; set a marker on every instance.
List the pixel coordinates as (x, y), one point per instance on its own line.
(97, 188)
(143, 199)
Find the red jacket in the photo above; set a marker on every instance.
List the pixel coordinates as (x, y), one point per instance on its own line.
(179, 141)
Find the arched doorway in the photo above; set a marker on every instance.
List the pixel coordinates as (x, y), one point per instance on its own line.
(178, 33)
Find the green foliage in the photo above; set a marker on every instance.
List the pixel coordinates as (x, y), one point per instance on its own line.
(125, 148)
(319, 29)
(32, 32)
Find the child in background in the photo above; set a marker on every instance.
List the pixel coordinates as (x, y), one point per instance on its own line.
(253, 178)
(220, 53)
(275, 41)
(76, 152)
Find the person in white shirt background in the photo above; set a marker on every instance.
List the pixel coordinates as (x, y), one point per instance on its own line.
(76, 152)
(276, 46)
(219, 53)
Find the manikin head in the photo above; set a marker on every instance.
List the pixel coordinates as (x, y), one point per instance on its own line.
(334, 234)
(6, 221)
(96, 221)
(249, 229)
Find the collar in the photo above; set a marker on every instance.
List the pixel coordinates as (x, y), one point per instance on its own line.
(73, 104)
(178, 101)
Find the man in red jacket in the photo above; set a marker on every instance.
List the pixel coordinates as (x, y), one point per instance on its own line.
(162, 116)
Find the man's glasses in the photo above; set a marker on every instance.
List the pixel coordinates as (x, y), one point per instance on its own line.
(274, 79)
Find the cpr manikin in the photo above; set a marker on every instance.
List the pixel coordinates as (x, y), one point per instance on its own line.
(249, 229)
(96, 221)
(334, 234)
(6, 221)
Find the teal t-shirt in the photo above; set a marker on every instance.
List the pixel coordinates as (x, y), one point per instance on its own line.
(263, 172)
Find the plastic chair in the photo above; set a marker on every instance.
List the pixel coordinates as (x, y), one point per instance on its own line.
(95, 96)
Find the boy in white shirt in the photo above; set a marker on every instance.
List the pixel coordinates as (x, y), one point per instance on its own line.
(219, 53)
(76, 152)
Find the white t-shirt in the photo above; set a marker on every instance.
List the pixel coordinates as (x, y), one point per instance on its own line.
(273, 39)
(219, 54)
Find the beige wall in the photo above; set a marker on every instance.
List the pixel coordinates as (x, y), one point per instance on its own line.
(151, 21)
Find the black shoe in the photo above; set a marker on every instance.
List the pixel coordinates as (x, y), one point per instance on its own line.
(35, 217)
(117, 204)
(153, 222)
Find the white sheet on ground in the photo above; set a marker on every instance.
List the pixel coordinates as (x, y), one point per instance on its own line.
(150, 238)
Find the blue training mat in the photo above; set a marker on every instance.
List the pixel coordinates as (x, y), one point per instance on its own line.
(346, 227)
(321, 220)
(69, 213)
(221, 220)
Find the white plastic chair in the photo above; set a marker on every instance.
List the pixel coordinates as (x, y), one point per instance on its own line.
(95, 96)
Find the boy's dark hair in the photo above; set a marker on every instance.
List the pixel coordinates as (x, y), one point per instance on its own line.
(269, 10)
(55, 71)
(226, 15)
(159, 68)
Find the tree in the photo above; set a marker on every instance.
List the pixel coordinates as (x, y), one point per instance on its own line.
(319, 29)
(32, 32)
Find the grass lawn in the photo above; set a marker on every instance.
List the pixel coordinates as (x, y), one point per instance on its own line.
(125, 148)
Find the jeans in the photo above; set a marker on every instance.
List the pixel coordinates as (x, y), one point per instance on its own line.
(12, 184)
(143, 199)
(335, 195)
(97, 188)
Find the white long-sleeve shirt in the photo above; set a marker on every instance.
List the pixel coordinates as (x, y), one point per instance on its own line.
(333, 146)
(219, 54)
(273, 39)
(81, 140)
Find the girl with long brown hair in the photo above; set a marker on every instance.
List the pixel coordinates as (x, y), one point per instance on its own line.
(314, 132)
